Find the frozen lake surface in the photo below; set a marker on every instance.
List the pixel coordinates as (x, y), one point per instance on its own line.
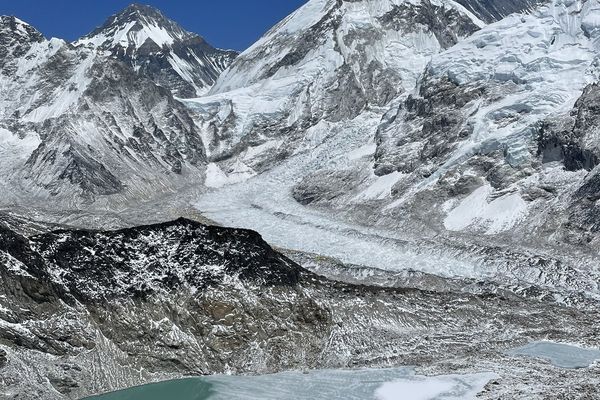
(560, 355)
(367, 384)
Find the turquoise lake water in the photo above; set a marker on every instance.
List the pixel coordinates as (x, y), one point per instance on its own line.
(181, 389)
(367, 384)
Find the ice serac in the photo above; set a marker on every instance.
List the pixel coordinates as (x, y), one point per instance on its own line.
(158, 48)
(499, 114)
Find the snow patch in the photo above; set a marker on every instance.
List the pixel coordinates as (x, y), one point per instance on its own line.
(14, 151)
(496, 216)
(448, 387)
(380, 188)
(363, 151)
(126, 36)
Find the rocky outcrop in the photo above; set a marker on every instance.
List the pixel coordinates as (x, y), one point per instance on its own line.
(447, 24)
(495, 10)
(324, 186)
(574, 140)
(16, 39)
(426, 129)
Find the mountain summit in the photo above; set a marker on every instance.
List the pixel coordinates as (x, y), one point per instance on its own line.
(160, 49)
(16, 37)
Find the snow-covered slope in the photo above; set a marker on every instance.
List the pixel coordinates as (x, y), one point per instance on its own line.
(326, 63)
(158, 48)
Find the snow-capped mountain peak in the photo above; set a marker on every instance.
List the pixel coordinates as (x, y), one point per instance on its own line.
(134, 27)
(159, 48)
(81, 116)
(11, 26)
(16, 37)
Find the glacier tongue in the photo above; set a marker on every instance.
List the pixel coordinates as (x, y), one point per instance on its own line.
(456, 147)
(264, 203)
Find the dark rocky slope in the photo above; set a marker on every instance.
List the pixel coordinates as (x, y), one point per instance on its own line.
(87, 311)
(495, 10)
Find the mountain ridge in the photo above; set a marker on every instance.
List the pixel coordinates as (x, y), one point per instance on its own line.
(85, 121)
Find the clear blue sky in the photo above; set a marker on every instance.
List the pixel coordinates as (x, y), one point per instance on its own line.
(231, 24)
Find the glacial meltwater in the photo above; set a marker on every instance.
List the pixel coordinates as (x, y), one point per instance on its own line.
(180, 389)
(366, 384)
(560, 355)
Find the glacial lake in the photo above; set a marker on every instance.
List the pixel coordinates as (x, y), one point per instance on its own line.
(366, 384)
(560, 355)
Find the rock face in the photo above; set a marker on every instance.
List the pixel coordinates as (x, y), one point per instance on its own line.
(238, 253)
(159, 49)
(575, 139)
(88, 311)
(494, 10)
